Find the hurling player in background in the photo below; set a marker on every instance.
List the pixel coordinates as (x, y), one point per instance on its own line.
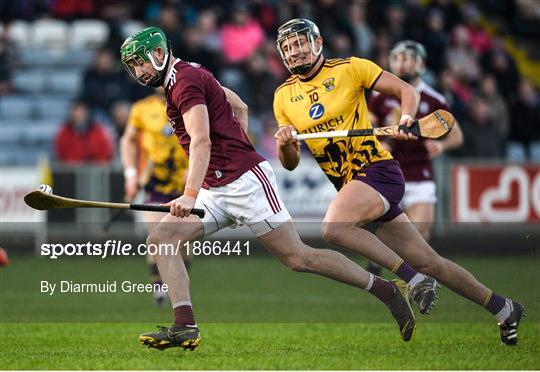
(408, 62)
(323, 95)
(232, 183)
(153, 161)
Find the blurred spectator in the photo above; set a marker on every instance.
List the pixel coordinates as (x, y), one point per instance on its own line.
(415, 20)
(240, 36)
(103, 83)
(116, 15)
(461, 58)
(259, 85)
(364, 38)
(447, 82)
(194, 51)
(395, 22)
(273, 61)
(340, 46)
(81, 139)
(119, 116)
(479, 38)
(289, 9)
(28, 10)
(71, 9)
(265, 14)
(435, 40)
(7, 63)
(526, 114)
(208, 28)
(450, 10)
(500, 64)
(327, 15)
(383, 44)
(497, 106)
(169, 21)
(482, 139)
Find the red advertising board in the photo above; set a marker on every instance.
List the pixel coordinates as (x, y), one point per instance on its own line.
(495, 193)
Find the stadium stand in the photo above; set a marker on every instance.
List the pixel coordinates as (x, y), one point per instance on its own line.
(45, 58)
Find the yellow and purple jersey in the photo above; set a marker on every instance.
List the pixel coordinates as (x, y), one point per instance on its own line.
(333, 99)
(165, 158)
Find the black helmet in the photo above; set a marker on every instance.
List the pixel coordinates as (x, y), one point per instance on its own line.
(297, 27)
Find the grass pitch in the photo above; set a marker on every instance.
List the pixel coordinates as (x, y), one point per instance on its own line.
(255, 314)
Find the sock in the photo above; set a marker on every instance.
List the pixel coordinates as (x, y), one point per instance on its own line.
(408, 274)
(505, 312)
(499, 306)
(183, 314)
(380, 288)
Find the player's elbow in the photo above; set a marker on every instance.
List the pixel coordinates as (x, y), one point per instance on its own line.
(202, 142)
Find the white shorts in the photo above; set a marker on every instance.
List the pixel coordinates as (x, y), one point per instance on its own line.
(418, 192)
(252, 200)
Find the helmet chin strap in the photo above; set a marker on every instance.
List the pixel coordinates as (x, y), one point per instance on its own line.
(305, 69)
(162, 70)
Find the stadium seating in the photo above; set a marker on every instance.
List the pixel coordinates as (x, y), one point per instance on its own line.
(15, 107)
(50, 33)
(52, 107)
(19, 33)
(64, 81)
(52, 55)
(88, 33)
(29, 81)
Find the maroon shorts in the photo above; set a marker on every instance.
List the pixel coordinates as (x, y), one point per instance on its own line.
(386, 177)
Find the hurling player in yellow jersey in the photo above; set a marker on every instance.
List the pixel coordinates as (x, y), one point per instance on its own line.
(323, 95)
(153, 160)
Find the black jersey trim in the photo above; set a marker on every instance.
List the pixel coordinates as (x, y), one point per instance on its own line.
(376, 79)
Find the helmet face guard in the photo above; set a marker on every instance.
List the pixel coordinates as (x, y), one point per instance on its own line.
(138, 49)
(413, 48)
(289, 33)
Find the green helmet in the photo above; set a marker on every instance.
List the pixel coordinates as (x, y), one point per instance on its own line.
(138, 49)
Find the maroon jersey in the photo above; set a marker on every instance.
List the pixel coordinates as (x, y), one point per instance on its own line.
(412, 155)
(231, 155)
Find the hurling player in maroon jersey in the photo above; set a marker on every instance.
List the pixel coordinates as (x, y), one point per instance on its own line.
(407, 61)
(232, 183)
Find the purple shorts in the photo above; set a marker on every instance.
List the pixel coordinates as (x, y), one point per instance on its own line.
(386, 177)
(153, 197)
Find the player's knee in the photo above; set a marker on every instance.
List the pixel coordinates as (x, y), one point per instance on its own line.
(426, 234)
(331, 232)
(159, 239)
(425, 230)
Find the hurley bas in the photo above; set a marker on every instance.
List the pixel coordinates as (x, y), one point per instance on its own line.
(69, 286)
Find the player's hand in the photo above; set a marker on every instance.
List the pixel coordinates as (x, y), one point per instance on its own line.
(284, 136)
(399, 134)
(182, 206)
(434, 148)
(131, 188)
